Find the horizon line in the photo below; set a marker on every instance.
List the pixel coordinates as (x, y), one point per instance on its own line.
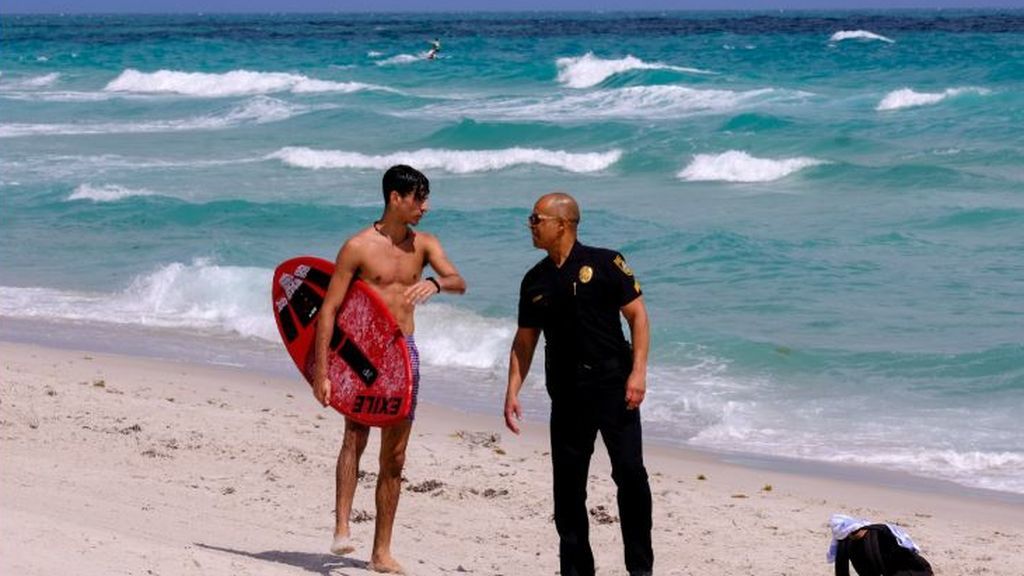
(521, 11)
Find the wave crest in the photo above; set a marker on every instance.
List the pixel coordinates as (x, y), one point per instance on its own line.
(454, 161)
(256, 110)
(859, 35)
(106, 192)
(639, 102)
(589, 70)
(199, 295)
(233, 83)
(32, 83)
(907, 98)
(738, 166)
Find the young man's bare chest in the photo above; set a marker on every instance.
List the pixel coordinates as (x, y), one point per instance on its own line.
(390, 266)
(391, 269)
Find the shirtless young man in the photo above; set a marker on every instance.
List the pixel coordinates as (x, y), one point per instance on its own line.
(390, 257)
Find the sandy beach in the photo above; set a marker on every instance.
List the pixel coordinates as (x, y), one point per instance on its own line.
(124, 465)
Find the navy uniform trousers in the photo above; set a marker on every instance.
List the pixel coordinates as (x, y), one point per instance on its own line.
(576, 418)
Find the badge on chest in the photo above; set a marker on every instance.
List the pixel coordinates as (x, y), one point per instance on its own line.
(586, 274)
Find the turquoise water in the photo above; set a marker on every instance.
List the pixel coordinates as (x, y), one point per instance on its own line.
(826, 210)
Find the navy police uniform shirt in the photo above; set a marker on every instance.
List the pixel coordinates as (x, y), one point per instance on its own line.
(577, 307)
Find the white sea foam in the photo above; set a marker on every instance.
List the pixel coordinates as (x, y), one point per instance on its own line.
(199, 295)
(58, 96)
(454, 161)
(450, 336)
(402, 59)
(204, 296)
(739, 422)
(63, 167)
(312, 85)
(640, 102)
(256, 110)
(589, 70)
(233, 83)
(738, 166)
(696, 395)
(32, 83)
(859, 35)
(259, 110)
(981, 469)
(702, 403)
(106, 192)
(907, 98)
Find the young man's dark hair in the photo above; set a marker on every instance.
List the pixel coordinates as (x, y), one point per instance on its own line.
(405, 180)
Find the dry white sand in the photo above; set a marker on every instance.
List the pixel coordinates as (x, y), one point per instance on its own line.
(119, 465)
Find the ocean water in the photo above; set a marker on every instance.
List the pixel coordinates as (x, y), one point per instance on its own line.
(826, 210)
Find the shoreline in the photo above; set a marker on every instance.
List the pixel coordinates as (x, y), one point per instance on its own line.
(134, 464)
(219, 351)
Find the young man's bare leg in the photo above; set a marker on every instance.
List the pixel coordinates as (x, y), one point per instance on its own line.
(393, 442)
(346, 479)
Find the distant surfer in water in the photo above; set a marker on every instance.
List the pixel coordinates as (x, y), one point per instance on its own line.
(435, 47)
(389, 256)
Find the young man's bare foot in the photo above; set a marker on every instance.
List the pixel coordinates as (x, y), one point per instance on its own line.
(342, 545)
(386, 565)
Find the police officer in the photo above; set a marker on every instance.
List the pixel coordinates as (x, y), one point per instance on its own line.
(595, 379)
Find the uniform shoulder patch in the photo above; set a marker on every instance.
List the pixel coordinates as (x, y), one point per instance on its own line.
(621, 263)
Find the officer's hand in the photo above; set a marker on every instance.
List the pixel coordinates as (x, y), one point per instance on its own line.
(322, 390)
(513, 413)
(636, 389)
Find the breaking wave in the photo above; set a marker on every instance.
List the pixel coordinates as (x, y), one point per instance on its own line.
(106, 193)
(859, 35)
(257, 110)
(634, 102)
(233, 83)
(32, 83)
(907, 98)
(589, 70)
(738, 166)
(454, 161)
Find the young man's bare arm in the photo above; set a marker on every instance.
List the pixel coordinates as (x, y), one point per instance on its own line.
(345, 267)
(448, 278)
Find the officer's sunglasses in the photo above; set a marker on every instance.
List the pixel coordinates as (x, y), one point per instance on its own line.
(535, 219)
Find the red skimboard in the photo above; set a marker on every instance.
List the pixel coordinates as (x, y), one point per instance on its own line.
(369, 366)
